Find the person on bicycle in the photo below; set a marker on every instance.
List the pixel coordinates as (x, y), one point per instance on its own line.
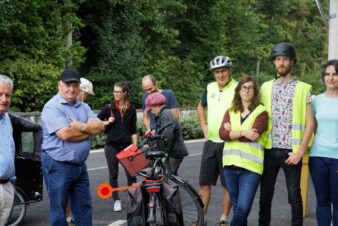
(243, 130)
(215, 100)
(166, 124)
(120, 120)
(7, 151)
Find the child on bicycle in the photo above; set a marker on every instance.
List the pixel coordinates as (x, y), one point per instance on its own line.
(166, 124)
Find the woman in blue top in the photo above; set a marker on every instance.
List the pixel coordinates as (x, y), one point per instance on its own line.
(323, 163)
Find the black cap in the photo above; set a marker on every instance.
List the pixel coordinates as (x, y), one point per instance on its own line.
(70, 75)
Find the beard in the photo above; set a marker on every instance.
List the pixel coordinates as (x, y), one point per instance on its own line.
(283, 71)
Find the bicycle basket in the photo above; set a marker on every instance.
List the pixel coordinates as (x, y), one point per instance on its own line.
(132, 159)
(158, 145)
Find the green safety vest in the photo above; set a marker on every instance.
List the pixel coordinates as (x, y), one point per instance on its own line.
(298, 111)
(247, 155)
(218, 104)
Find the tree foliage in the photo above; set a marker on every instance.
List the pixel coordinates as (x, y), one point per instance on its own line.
(33, 47)
(123, 40)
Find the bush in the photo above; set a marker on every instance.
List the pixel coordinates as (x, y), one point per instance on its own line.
(191, 128)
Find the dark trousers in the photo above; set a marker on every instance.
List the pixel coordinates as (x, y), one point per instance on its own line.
(113, 167)
(324, 176)
(274, 159)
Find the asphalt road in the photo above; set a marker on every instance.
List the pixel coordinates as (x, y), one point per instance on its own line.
(103, 214)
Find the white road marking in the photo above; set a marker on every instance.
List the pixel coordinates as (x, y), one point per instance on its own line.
(98, 168)
(117, 223)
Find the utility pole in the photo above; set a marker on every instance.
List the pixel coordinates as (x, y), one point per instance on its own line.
(333, 30)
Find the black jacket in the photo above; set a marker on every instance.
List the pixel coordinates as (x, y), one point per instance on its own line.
(20, 125)
(120, 131)
(168, 126)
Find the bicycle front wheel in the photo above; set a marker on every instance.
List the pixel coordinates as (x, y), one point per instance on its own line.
(19, 210)
(190, 203)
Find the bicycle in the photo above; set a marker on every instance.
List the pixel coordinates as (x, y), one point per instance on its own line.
(156, 178)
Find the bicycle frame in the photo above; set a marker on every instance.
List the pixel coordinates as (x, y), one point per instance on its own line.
(186, 206)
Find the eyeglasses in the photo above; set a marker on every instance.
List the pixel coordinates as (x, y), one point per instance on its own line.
(117, 92)
(247, 88)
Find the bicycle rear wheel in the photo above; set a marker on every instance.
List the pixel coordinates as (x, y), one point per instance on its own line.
(190, 202)
(19, 209)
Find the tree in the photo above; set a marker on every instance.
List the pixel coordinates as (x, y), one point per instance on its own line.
(33, 49)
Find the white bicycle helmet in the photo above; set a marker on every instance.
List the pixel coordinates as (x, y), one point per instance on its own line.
(219, 62)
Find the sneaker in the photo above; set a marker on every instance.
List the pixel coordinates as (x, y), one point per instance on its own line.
(223, 223)
(117, 206)
(71, 222)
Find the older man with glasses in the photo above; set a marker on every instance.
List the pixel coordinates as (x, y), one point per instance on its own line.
(149, 86)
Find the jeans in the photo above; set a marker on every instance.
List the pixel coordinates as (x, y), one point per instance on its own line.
(274, 159)
(113, 168)
(324, 174)
(65, 180)
(242, 185)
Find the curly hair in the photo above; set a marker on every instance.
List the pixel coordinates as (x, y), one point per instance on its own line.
(237, 101)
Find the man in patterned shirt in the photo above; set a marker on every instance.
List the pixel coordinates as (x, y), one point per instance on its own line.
(291, 122)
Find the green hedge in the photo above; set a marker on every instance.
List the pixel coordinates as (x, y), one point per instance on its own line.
(190, 127)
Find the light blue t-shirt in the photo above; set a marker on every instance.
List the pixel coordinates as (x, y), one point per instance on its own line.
(57, 114)
(325, 111)
(7, 148)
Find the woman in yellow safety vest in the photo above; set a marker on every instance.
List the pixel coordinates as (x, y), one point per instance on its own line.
(244, 129)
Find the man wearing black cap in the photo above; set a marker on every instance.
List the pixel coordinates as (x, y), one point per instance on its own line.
(288, 103)
(67, 126)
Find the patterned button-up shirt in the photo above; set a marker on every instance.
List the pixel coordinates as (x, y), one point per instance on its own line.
(282, 106)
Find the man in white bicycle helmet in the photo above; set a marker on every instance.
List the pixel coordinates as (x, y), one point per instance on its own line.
(215, 100)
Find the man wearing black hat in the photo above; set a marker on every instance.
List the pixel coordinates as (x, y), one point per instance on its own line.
(288, 103)
(67, 126)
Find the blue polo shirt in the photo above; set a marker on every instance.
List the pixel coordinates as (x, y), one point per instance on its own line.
(57, 114)
(7, 148)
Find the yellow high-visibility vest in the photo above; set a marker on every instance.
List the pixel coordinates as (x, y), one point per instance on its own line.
(298, 111)
(218, 104)
(247, 155)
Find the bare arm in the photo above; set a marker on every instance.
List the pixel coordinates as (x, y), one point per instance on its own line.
(70, 134)
(92, 127)
(202, 120)
(134, 139)
(294, 158)
(176, 112)
(146, 120)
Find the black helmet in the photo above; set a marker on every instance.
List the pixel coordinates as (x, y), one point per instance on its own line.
(284, 49)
